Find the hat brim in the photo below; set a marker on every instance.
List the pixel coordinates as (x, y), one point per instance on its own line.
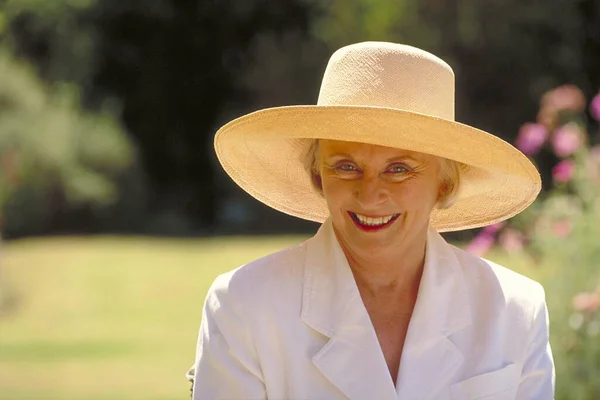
(263, 153)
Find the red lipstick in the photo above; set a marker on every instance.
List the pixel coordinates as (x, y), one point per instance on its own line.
(371, 228)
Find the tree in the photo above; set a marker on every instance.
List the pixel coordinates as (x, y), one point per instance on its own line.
(176, 68)
(52, 153)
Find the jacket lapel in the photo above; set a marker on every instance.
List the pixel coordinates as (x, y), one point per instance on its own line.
(352, 359)
(429, 358)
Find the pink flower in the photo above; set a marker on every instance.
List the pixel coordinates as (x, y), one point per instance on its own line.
(562, 228)
(563, 171)
(565, 97)
(586, 302)
(566, 140)
(595, 107)
(481, 244)
(531, 138)
(491, 229)
(511, 240)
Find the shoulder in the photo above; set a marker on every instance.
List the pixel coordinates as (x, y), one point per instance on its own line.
(495, 285)
(269, 278)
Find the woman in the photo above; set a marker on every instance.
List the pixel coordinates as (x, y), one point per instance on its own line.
(376, 305)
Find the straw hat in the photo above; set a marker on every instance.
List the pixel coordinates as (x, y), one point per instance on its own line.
(384, 94)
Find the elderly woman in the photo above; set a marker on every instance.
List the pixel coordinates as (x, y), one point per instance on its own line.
(376, 305)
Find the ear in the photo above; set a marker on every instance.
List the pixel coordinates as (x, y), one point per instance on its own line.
(444, 190)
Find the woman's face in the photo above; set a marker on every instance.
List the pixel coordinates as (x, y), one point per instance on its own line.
(378, 197)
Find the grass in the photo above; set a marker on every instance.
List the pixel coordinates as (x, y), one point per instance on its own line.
(112, 318)
(109, 318)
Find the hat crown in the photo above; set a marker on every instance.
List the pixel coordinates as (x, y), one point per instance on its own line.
(389, 75)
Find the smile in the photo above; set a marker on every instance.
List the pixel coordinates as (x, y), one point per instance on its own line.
(372, 223)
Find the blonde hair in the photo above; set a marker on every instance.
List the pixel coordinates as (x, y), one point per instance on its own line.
(450, 172)
(450, 175)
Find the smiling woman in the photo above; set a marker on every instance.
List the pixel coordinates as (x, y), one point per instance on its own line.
(363, 182)
(377, 305)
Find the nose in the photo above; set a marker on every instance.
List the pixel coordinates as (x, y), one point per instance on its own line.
(370, 192)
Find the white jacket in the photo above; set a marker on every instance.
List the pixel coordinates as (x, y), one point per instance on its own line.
(292, 325)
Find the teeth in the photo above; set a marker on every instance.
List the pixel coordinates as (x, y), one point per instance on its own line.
(374, 221)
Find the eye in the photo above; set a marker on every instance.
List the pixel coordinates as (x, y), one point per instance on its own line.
(398, 169)
(346, 167)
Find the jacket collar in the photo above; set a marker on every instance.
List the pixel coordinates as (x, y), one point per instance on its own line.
(352, 359)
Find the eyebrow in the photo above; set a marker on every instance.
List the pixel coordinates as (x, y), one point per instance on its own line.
(389, 160)
(401, 158)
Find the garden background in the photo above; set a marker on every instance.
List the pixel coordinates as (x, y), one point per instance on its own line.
(116, 216)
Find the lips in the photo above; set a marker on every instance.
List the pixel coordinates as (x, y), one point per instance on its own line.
(370, 224)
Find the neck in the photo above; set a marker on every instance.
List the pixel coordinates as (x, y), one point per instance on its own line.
(390, 271)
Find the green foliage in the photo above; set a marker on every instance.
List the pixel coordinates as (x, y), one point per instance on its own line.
(356, 20)
(52, 35)
(49, 147)
(567, 235)
(575, 325)
(405, 21)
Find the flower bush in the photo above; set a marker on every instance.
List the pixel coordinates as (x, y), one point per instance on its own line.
(560, 234)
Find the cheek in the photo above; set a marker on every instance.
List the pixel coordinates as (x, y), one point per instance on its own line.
(414, 195)
(336, 191)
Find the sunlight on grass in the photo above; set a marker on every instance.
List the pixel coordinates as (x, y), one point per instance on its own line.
(109, 318)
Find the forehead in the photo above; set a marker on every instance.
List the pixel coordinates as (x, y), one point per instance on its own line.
(359, 150)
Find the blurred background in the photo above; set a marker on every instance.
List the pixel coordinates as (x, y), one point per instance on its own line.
(116, 217)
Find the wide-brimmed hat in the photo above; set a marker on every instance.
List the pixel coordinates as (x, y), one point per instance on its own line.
(383, 94)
